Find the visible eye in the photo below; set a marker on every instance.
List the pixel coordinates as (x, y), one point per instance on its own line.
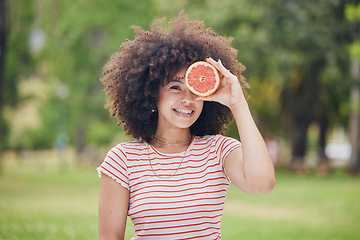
(176, 87)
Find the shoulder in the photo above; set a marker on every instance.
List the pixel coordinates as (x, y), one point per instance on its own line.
(218, 142)
(131, 144)
(223, 144)
(128, 147)
(216, 139)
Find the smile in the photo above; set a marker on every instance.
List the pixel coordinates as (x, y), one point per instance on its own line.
(184, 111)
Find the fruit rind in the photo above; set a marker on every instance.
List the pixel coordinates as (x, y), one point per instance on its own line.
(217, 78)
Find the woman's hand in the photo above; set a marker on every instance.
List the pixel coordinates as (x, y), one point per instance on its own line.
(229, 92)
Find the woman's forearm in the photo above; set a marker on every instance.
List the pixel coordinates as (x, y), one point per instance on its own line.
(258, 169)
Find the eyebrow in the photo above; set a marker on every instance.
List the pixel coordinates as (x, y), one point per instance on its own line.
(178, 80)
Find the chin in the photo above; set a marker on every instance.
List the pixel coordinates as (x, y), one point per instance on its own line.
(183, 124)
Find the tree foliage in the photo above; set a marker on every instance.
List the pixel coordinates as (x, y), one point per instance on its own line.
(352, 12)
(80, 37)
(18, 62)
(296, 53)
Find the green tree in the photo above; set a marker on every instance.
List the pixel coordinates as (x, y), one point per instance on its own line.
(352, 12)
(308, 40)
(81, 36)
(3, 30)
(16, 61)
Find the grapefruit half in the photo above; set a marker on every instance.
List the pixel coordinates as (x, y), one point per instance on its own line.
(202, 78)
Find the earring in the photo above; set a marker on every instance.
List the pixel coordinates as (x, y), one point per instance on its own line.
(153, 110)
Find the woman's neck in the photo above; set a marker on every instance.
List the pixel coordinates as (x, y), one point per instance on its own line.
(171, 141)
(173, 136)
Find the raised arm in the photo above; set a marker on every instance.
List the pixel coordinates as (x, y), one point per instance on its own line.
(250, 167)
(113, 208)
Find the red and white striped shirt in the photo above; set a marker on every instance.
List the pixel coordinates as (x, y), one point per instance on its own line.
(187, 205)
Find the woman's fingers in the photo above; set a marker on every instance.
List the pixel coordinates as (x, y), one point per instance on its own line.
(220, 67)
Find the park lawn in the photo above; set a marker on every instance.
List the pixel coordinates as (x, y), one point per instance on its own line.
(38, 202)
(300, 207)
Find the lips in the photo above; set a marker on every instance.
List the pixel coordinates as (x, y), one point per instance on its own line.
(184, 111)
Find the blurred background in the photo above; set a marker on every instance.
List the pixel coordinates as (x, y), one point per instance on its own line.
(303, 66)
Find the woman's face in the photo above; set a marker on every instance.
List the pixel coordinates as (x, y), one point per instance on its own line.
(177, 107)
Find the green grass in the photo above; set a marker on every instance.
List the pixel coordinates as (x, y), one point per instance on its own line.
(50, 204)
(300, 207)
(38, 202)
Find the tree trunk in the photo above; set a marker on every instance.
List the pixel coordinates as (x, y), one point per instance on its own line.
(3, 124)
(2, 48)
(300, 102)
(354, 163)
(80, 139)
(298, 146)
(323, 167)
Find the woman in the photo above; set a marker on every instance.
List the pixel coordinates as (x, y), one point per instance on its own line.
(172, 180)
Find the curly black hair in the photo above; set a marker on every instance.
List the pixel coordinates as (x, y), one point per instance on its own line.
(134, 74)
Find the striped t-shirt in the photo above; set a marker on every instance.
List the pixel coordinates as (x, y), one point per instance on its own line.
(163, 205)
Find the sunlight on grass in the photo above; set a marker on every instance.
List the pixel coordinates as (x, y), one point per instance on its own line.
(58, 204)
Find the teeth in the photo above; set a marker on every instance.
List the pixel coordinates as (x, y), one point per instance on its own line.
(183, 111)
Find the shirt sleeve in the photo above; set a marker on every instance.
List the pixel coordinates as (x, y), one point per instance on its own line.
(224, 146)
(115, 166)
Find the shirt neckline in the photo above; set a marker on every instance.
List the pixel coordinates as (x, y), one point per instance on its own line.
(188, 149)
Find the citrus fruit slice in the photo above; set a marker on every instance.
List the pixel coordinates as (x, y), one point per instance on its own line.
(202, 78)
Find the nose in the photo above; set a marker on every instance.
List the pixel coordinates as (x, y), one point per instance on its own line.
(188, 97)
